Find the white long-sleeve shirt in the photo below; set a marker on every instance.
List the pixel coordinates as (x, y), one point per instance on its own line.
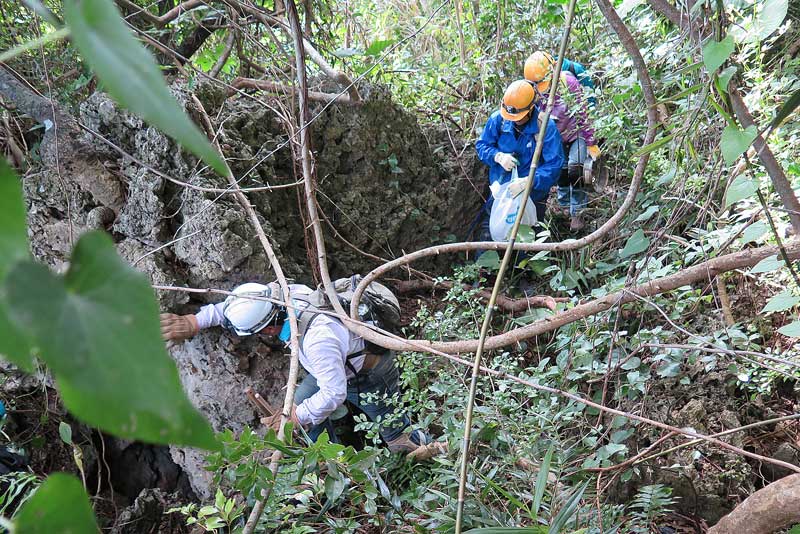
(323, 353)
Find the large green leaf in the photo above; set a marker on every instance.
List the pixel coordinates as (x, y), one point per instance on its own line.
(14, 346)
(97, 329)
(768, 264)
(754, 232)
(508, 530)
(130, 74)
(735, 142)
(715, 53)
(724, 78)
(769, 17)
(60, 505)
(636, 243)
(740, 189)
(783, 301)
(791, 330)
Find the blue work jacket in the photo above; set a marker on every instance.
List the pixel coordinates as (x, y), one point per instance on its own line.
(498, 136)
(580, 73)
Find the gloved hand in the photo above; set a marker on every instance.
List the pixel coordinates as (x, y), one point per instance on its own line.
(507, 161)
(517, 186)
(274, 421)
(594, 152)
(178, 327)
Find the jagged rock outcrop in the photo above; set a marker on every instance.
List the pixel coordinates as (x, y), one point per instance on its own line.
(381, 187)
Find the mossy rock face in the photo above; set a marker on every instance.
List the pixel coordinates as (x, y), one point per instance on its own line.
(381, 186)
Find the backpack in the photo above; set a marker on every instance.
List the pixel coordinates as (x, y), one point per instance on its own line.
(378, 306)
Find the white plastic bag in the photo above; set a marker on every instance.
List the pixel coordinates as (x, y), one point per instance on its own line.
(505, 209)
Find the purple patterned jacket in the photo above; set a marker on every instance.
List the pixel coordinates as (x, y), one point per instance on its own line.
(573, 121)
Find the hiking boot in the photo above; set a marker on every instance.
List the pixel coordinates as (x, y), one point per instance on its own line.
(576, 223)
(407, 442)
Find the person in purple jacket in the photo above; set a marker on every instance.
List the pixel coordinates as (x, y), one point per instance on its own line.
(577, 133)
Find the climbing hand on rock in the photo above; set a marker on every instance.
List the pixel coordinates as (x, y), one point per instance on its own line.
(505, 160)
(178, 327)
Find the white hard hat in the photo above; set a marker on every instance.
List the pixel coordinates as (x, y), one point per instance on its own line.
(247, 316)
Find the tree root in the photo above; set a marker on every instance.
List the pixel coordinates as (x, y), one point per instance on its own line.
(506, 304)
(772, 508)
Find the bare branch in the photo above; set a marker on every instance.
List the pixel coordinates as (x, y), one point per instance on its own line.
(506, 304)
(226, 53)
(166, 18)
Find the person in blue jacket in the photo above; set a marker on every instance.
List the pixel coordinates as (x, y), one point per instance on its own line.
(509, 140)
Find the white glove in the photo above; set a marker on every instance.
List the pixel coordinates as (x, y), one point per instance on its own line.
(507, 161)
(517, 186)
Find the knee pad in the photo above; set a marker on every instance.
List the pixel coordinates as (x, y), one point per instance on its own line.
(575, 175)
(563, 179)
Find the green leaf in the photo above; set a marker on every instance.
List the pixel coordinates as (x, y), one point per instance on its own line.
(724, 78)
(334, 486)
(735, 142)
(766, 265)
(347, 52)
(715, 53)
(14, 345)
(97, 329)
(786, 109)
(59, 505)
(791, 330)
(541, 481)
(652, 146)
(568, 511)
(65, 431)
(633, 363)
(489, 259)
(508, 530)
(795, 530)
(377, 47)
(636, 243)
(783, 301)
(649, 212)
(130, 74)
(740, 189)
(769, 17)
(754, 232)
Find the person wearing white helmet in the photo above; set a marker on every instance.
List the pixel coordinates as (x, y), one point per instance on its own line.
(338, 367)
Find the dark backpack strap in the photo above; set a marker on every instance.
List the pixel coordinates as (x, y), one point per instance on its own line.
(348, 361)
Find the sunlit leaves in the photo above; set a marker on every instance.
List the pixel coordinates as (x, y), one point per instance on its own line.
(754, 232)
(769, 17)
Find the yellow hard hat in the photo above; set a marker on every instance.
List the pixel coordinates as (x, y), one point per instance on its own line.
(538, 66)
(544, 86)
(518, 100)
